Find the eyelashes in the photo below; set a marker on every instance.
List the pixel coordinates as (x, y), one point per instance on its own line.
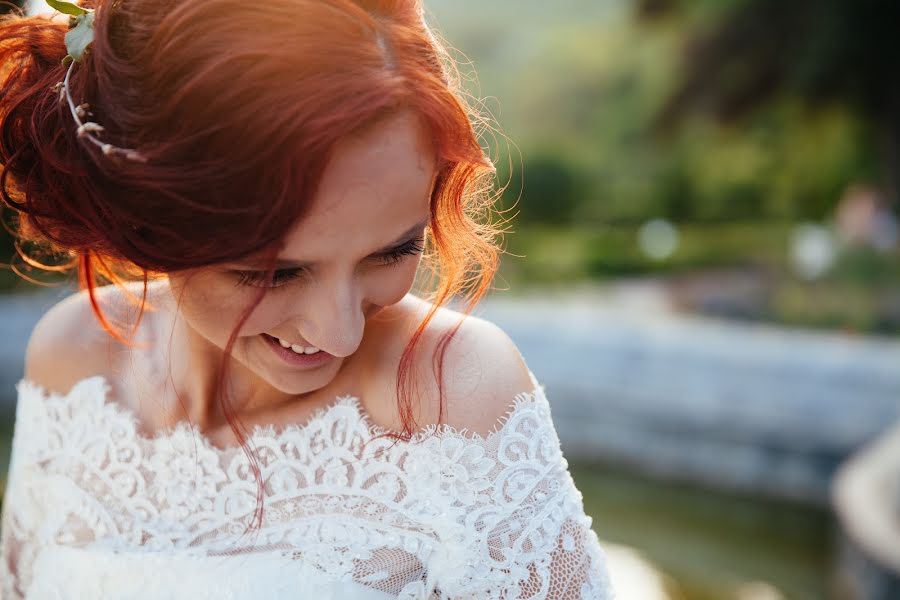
(256, 278)
(282, 276)
(410, 248)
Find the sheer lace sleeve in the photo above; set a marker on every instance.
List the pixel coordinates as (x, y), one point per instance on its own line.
(11, 546)
(521, 531)
(17, 522)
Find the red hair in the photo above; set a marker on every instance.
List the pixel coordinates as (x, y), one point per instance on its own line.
(237, 108)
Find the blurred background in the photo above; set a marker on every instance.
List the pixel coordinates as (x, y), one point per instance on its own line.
(703, 270)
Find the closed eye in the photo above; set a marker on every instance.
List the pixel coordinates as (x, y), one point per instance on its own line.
(258, 278)
(410, 248)
(281, 276)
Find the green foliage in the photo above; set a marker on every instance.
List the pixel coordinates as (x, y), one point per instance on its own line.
(81, 32)
(80, 37)
(579, 88)
(859, 294)
(66, 7)
(552, 190)
(555, 254)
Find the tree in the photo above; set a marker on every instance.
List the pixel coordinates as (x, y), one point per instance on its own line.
(820, 50)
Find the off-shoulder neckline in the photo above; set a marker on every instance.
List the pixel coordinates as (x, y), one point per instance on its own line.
(100, 384)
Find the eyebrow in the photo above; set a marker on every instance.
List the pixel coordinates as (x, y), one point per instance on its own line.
(299, 264)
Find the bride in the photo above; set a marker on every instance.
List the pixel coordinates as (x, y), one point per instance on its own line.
(246, 398)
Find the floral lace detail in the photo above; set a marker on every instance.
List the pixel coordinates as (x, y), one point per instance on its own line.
(448, 514)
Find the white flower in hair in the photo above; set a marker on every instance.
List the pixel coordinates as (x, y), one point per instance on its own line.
(89, 126)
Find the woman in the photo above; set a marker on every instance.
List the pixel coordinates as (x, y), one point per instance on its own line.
(256, 404)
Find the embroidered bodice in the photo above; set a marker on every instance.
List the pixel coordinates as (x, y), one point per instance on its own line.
(95, 509)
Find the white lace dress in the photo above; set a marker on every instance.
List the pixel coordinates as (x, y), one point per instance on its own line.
(94, 509)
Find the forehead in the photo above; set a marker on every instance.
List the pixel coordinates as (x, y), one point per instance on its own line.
(376, 186)
(374, 172)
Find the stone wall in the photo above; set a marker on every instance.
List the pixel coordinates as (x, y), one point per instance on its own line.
(739, 406)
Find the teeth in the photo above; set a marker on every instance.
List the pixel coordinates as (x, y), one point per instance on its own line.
(301, 350)
(297, 347)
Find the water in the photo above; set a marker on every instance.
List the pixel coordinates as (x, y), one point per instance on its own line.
(705, 545)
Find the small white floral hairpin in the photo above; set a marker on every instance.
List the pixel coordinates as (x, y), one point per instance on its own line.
(78, 38)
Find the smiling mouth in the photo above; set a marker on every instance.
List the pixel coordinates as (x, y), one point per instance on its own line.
(296, 358)
(299, 349)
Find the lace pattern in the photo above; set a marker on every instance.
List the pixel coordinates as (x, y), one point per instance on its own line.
(448, 514)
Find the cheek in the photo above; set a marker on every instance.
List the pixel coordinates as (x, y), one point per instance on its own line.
(390, 285)
(210, 306)
(381, 287)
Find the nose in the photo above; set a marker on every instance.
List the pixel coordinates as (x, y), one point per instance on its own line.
(332, 318)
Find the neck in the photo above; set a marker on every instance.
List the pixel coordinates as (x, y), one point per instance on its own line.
(193, 364)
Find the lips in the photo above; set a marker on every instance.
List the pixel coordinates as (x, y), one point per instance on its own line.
(298, 348)
(296, 359)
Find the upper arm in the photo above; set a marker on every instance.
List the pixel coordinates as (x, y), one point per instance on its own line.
(482, 373)
(52, 357)
(534, 532)
(528, 525)
(66, 345)
(55, 355)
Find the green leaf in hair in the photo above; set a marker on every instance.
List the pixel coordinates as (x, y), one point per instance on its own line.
(77, 39)
(66, 7)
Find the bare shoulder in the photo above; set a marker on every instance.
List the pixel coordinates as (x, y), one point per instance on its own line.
(69, 343)
(483, 370)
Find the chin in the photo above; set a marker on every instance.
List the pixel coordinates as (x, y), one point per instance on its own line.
(302, 381)
(286, 378)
